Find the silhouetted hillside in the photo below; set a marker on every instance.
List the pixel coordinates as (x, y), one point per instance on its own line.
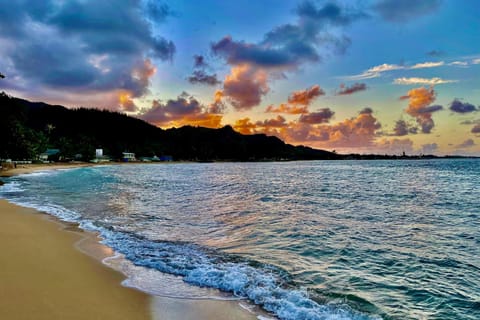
(28, 128)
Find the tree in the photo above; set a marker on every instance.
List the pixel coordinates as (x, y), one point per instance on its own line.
(1, 75)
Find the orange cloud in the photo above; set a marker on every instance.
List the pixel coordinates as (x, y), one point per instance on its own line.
(321, 116)
(305, 97)
(244, 126)
(245, 86)
(285, 108)
(356, 132)
(185, 110)
(419, 106)
(217, 106)
(125, 101)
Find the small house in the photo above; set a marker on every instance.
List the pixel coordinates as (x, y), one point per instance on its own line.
(49, 155)
(128, 156)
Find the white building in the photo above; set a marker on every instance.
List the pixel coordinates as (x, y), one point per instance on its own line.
(128, 156)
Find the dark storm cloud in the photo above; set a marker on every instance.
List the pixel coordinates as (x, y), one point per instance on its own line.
(81, 45)
(462, 107)
(405, 10)
(201, 77)
(345, 90)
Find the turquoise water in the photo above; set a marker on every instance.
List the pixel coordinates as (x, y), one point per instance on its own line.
(305, 240)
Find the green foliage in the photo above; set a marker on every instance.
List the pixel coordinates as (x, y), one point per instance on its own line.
(27, 129)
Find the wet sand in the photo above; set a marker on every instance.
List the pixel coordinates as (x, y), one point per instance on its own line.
(43, 276)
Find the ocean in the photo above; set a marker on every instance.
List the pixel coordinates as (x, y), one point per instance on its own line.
(303, 240)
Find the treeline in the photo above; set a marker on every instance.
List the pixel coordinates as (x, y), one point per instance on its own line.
(29, 128)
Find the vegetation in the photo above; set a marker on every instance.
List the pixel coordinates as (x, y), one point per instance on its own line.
(29, 128)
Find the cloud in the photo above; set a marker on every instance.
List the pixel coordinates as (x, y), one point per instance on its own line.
(201, 77)
(269, 124)
(476, 61)
(321, 116)
(290, 45)
(345, 90)
(298, 101)
(419, 107)
(245, 86)
(79, 47)
(462, 107)
(476, 129)
(157, 11)
(470, 121)
(313, 129)
(286, 108)
(377, 71)
(429, 148)
(424, 65)
(466, 144)
(394, 146)
(285, 48)
(199, 61)
(458, 63)
(245, 126)
(402, 128)
(405, 10)
(414, 80)
(125, 102)
(185, 110)
(305, 97)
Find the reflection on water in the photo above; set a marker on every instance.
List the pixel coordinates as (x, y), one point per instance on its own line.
(392, 238)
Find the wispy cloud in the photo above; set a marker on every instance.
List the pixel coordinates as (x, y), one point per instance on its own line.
(377, 71)
(458, 63)
(415, 80)
(427, 65)
(476, 61)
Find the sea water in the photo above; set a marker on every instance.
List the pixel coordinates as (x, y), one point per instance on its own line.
(303, 240)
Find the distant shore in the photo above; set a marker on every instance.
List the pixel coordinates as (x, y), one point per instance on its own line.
(44, 276)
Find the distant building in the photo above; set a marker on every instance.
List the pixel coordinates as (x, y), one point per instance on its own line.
(49, 155)
(128, 156)
(98, 153)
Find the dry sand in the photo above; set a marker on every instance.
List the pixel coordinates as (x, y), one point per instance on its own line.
(42, 276)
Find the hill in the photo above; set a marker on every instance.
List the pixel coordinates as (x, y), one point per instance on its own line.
(29, 128)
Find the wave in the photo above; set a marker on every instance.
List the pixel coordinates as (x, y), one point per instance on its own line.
(265, 285)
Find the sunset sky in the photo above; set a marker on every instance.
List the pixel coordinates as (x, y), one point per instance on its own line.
(381, 76)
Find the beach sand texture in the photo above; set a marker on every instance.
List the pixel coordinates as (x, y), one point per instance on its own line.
(43, 276)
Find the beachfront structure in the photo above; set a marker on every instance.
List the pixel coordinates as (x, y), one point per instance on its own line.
(49, 154)
(128, 156)
(98, 153)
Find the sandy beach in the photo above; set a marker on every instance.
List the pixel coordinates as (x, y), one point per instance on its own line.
(44, 277)
(54, 270)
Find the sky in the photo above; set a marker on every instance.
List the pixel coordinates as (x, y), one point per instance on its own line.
(366, 76)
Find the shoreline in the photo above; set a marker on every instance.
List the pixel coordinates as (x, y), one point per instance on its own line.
(56, 270)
